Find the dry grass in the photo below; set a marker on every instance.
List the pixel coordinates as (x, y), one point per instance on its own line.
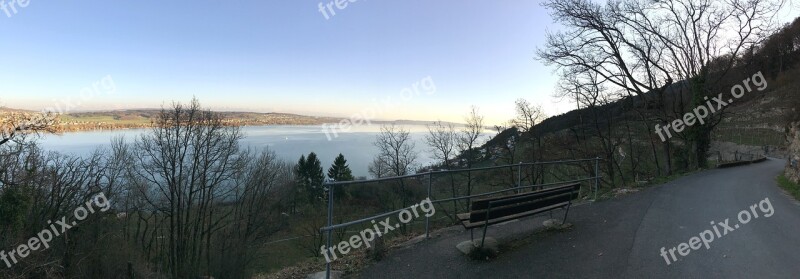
(350, 264)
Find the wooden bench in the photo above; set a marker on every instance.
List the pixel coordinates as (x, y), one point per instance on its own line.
(489, 211)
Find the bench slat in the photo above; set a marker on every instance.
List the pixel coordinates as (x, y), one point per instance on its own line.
(522, 199)
(522, 204)
(466, 216)
(472, 225)
(483, 203)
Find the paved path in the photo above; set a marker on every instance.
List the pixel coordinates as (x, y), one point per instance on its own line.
(622, 237)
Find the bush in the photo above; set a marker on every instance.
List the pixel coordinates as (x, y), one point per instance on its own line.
(790, 186)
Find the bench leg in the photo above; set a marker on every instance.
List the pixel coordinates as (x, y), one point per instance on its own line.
(565, 216)
(486, 226)
(566, 213)
(486, 223)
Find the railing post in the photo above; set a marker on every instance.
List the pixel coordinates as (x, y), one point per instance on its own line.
(428, 218)
(596, 176)
(519, 175)
(330, 223)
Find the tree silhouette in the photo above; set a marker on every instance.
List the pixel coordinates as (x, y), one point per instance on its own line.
(309, 178)
(339, 170)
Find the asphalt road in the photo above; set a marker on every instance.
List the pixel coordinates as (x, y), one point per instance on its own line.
(623, 237)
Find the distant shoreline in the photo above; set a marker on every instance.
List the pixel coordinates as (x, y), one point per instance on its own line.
(96, 126)
(103, 126)
(143, 119)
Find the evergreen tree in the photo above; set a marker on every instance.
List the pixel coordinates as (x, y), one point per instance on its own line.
(310, 177)
(316, 176)
(300, 178)
(340, 171)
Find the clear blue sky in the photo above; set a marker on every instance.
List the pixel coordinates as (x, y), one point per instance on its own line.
(280, 55)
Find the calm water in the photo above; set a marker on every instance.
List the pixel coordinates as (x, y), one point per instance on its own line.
(289, 142)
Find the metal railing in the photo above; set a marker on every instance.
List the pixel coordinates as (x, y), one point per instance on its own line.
(330, 186)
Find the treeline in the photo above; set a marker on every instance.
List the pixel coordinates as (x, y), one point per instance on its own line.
(778, 53)
(187, 200)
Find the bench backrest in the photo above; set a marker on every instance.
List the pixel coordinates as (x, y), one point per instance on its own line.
(518, 203)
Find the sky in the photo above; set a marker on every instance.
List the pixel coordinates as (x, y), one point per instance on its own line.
(411, 59)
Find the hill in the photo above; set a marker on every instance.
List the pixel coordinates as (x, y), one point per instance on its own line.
(142, 118)
(620, 128)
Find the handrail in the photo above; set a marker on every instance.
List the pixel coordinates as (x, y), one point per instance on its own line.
(368, 219)
(330, 185)
(458, 170)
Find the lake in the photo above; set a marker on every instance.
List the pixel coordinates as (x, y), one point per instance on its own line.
(288, 141)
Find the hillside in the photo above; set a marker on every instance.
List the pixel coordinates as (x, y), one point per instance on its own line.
(621, 129)
(141, 118)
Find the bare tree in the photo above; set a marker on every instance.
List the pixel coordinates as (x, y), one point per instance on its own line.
(379, 168)
(12, 124)
(598, 102)
(527, 115)
(396, 149)
(184, 163)
(469, 136)
(468, 142)
(642, 47)
(45, 187)
(256, 214)
(504, 151)
(441, 138)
